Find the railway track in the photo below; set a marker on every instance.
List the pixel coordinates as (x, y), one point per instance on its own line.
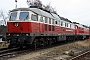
(6, 52)
(85, 55)
(2, 51)
(16, 52)
(9, 53)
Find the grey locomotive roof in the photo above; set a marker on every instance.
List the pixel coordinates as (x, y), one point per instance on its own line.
(56, 16)
(42, 12)
(36, 10)
(20, 9)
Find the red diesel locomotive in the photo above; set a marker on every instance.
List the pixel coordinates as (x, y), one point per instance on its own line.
(37, 27)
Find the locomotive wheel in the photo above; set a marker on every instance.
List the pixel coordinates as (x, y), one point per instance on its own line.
(50, 41)
(10, 46)
(35, 43)
(54, 40)
(42, 42)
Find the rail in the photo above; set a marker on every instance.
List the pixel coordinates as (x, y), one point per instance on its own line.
(81, 55)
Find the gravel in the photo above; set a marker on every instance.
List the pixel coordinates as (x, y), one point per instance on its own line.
(56, 53)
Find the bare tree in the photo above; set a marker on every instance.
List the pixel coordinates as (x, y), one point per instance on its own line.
(39, 4)
(30, 3)
(3, 16)
(48, 7)
(34, 3)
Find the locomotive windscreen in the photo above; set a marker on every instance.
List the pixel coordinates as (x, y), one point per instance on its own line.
(24, 15)
(13, 16)
(19, 16)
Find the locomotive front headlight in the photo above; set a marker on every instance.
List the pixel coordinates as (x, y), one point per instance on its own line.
(16, 24)
(17, 34)
(8, 34)
(27, 34)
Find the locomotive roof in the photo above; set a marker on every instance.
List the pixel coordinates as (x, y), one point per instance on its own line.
(80, 25)
(41, 12)
(20, 9)
(56, 16)
(35, 10)
(65, 19)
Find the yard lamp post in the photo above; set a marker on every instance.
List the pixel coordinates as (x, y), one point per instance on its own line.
(16, 3)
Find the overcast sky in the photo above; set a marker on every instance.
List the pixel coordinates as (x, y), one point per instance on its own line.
(74, 10)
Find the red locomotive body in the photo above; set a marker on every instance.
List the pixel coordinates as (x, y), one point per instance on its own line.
(81, 31)
(33, 26)
(22, 27)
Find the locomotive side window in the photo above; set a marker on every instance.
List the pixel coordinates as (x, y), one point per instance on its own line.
(24, 15)
(56, 22)
(52, 21)
(70, 25)
(49, 20)
(76, 27)
(41, 19)
(34, 17)
(67, 24)
(46, 20)
(13, 16)
(61, 23)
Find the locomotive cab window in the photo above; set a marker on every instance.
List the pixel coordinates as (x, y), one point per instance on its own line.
(24, 15)
(34, 17)
(13, 16)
